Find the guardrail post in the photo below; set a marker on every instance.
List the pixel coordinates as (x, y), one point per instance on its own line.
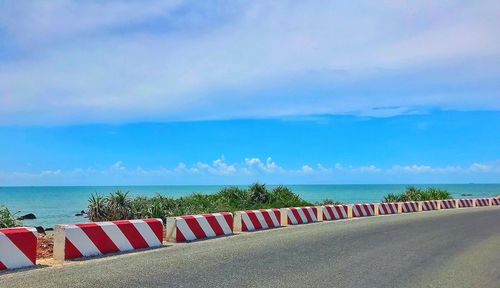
(237, 221)
(59, 242)
(349, 210)
(400, 207)
(171, 229)
(419, 206)
(319, 213)
(284, 217)
(438, 204)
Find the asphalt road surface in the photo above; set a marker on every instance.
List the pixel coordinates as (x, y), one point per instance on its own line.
(454, 248)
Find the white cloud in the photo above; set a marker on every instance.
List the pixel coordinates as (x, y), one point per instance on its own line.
(420, 169)
(480, 167)
(112, 61)
(307, 169)
(117, 166)
(268, 167)
(367, 169)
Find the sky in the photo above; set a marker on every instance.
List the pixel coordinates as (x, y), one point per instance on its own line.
(232, 92)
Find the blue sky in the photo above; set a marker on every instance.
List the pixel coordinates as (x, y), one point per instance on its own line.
(204, 92)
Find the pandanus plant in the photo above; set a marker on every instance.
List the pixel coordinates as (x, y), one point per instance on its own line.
(97, 209)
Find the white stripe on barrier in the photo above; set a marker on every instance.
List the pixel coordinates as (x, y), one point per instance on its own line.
(10, 255)
(223, 224)
(116, 235)
(247, 221)
(184, 228)
(261, 219)
(205, 226)
(146, 233)
(292, 217)
(312, 214)
(275, 220)
(79, 239)
(302, 215)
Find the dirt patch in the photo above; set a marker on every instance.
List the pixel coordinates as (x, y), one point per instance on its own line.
(45, 248)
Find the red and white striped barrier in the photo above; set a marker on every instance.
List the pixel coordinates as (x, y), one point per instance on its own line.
(430, 205)
(495, 201)
(462, 203)
(448, 204)
(252, 220)
(336, 212)
(482, 202)
(410, 207)
(364, 210)
(196, 227)
(299, 215)
(389, 208)
(17, 248)
(93, 239)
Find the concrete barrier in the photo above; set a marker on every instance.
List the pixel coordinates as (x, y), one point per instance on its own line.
(301, 215)
(364, 210)
(479, 202)
(17, 248)
(411, 206)
(252, 220)
(448, 204)
(99, 238)
(463, 203)
(495, 201)
(429, 205)
(389, 208)
(336, 212)
(196, 227)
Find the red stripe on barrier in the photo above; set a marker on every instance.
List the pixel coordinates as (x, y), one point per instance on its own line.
(229, 220)
(243, 226)
(70, 251)
(254, 220)
(212, 221)
(482, 202)
(267, 218)
(194, 226)
(132, 234)
(100, 239)
(308, 216)
(157, 227)
(341, 210)
(24, 240)
(296, 215)
(2, 267)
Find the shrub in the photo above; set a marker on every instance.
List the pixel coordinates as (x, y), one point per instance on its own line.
(7, 218)
(328, 201)
(416, 194)
(119, 206)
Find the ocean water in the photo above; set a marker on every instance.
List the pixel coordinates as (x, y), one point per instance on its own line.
(58, 205)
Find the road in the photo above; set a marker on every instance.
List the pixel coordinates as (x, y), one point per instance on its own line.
(454, 248)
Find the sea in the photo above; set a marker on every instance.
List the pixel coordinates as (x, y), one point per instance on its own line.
(58, 205)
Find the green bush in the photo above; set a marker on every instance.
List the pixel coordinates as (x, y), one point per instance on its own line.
(7, 218)
(119, 206)
(416, 194)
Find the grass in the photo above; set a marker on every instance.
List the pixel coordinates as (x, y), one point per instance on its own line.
(120, 206)
(416, 194)
(7, 218)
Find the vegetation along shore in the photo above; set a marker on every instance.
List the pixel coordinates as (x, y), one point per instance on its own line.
(119, 205)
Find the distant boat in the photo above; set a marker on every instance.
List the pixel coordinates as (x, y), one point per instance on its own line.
(466, 195)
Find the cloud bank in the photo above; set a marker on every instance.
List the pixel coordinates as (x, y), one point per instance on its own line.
(220, 171)
(67, 62)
